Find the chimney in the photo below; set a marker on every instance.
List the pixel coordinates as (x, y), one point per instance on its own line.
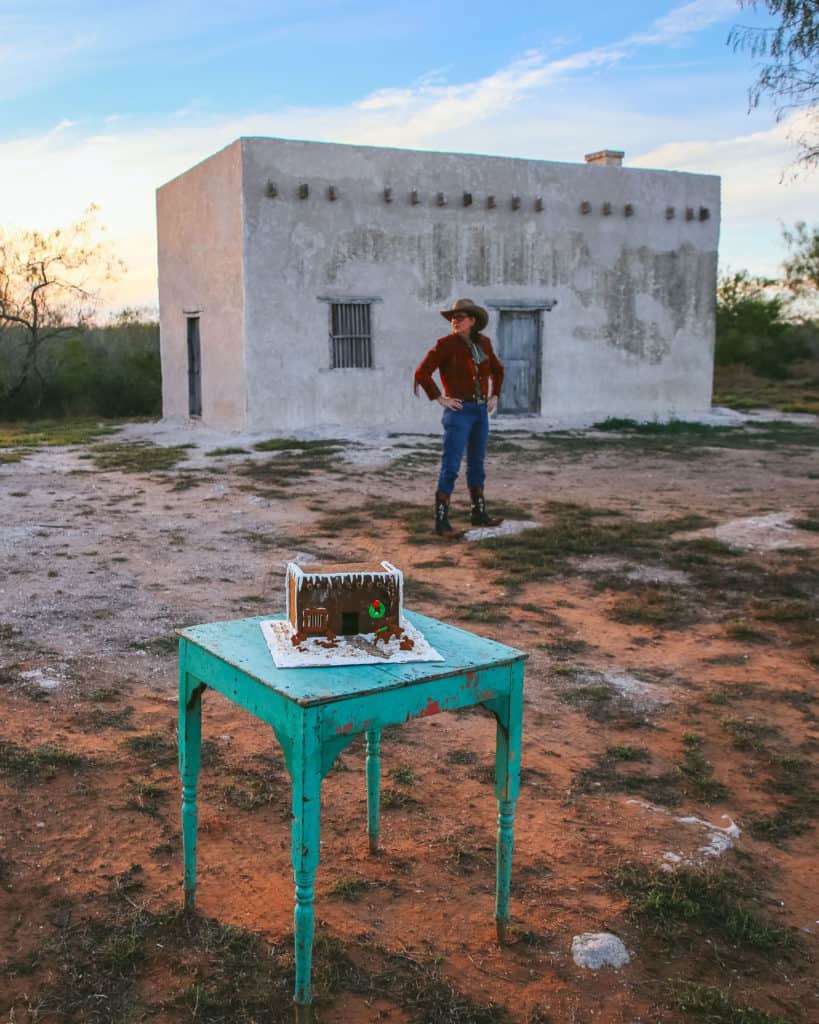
(606, 158)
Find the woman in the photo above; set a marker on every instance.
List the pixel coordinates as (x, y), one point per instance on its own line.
(471, 375)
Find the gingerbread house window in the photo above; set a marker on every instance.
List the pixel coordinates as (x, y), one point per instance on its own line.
(315, 620)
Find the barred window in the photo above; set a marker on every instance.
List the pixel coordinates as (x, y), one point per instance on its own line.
(350, 335)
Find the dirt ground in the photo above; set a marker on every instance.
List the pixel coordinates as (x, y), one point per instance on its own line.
(668, 605)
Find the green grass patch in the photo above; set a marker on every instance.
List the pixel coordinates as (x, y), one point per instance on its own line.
(603, 703)
(288, 444)
(215, 452)
(566, 647)
(592, 693)
(669, 428)
(738, 387)
(687, 437)
(164, 646)
(155, 746)
(349, 889)
(418, 519)
(145, 797)
(714, 1006)
(469, 860)
(628, 753)
(41, 764)
(398, 800)
(698, 773)
(653, 604)
(39, 433)
(360, 520)
(288, 466)
(404, 775)
(749, 734)
(416, 589)
(8, 633)
(137, 456)
(460, 756)
(104, 694)
(728, 694)
(577, 531)
(253, 788)
(699, 901)
(744, 631)
(482, 611)
(786, 823)
(606, 776)
(97, 719)
(794, 779)
(102, 969)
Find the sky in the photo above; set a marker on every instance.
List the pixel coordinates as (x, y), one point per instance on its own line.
(103, 103)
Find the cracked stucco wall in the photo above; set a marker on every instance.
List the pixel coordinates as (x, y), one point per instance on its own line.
(632, 331)
(201, 272)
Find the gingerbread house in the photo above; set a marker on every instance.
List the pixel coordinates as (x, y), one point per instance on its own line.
(344, 600)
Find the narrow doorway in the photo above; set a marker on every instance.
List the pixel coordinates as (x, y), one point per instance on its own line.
(194, 368)
(519, 351)
(349, 623)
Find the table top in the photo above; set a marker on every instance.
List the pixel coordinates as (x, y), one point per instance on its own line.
(240, 643)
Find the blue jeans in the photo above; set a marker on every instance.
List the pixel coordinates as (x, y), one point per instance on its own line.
(464, 429)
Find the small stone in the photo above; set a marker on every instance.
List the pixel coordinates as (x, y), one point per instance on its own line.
(506, 529)
(599, 949)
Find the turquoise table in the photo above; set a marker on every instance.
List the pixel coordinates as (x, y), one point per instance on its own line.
(316, 712)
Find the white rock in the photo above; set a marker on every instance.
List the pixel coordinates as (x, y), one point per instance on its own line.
(506, 529)
(42, 679)
(599, 949)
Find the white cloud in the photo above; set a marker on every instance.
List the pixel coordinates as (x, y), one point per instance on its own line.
(686, 20)
(519, 110)
(759, 193)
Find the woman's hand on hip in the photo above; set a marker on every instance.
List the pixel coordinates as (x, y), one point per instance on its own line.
(449, 403)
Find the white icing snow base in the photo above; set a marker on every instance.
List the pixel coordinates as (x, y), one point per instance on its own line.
(349, 650)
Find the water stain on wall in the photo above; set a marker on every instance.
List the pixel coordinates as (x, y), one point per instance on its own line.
(641, 302)
(674, 285)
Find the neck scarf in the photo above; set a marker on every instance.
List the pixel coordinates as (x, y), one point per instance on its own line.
(478, 354)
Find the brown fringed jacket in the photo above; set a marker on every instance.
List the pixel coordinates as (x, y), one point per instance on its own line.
(452, 358)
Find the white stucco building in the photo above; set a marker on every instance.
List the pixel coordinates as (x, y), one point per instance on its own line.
(300, 283)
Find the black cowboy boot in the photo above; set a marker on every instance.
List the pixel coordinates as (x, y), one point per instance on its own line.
(480, 517)
(443, 527)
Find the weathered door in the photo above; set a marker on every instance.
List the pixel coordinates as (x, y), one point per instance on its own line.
(519, 351)
(194, 368)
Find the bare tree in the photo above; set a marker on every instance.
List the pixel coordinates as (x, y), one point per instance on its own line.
(48, 287)
(789, 71)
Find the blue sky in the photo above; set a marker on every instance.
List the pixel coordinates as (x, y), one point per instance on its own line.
(103, 104)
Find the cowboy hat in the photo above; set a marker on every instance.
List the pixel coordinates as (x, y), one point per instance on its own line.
(471, 309)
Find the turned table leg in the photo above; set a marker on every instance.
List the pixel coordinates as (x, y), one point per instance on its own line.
(373, 786)
(190, 746)
(306, 806)
(507, 784)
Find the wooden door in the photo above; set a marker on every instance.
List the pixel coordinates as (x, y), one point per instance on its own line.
(194, 368)
(519, 351)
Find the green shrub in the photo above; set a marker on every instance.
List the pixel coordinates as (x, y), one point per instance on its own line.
(750, 328)
(109, 371)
